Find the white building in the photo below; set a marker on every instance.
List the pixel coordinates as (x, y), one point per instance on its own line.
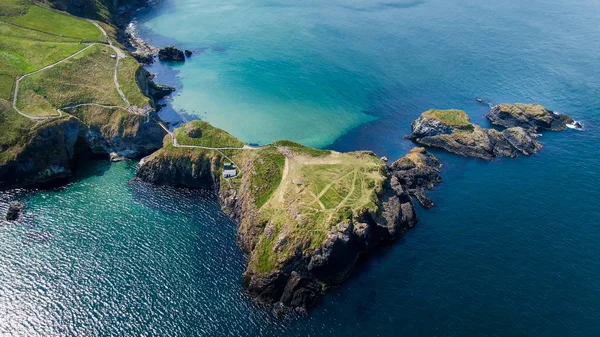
(229, 171)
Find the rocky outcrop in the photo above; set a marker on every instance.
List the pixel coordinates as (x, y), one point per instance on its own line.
(151, 89)
(532, 117)
(14, 211)
(171, 54)
(187, 169)
(452, 131)
(418, 171)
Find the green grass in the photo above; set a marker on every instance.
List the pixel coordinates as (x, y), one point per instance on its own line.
(266, 174)
(14, 7)
(112, 122)
(14, 132)
(6, 85)
(454, 118)
(19, 56)
(126, 74)
(45, 20)
(317, 193)
(301, 149)
(209, 136)
(85, 78)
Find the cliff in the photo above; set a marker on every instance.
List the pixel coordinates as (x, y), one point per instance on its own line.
(453, 131)
(50, 150)
(418, 171)
(107, 107)
(305, 216)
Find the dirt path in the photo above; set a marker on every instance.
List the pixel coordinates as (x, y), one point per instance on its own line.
(16, 93)
(119, 55)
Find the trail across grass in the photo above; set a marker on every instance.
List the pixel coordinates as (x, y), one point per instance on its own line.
(46, 26)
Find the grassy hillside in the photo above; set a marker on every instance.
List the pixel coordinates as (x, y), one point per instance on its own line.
(14, 131)
(85, 78)
(33, 37)
(200, 133)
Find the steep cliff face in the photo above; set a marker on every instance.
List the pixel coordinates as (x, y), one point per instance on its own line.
(296, 251)
(119, 131)
(50, 150)
(95, 9)
(418, 171)
(48, 154)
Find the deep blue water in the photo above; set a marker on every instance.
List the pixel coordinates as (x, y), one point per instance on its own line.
(511, 248)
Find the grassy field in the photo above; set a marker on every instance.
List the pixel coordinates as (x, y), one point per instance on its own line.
(85, 78)
(14, 130)
(208, 136)
(127, 80)
(316, 193)
(32, 37)
(455, 118)
(42, 19)
(24, 50)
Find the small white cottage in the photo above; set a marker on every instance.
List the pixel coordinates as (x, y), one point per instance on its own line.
(229, 171)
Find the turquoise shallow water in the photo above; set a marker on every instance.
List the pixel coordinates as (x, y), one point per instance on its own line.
(509, 250)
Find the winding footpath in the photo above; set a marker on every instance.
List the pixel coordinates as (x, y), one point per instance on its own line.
(119, 55)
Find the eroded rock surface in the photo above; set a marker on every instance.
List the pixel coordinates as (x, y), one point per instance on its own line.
(418, 171)
(532, 117)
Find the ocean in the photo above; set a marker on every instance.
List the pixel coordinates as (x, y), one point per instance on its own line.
(510, 249)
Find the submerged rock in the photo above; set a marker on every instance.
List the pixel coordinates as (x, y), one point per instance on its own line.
(532, 117)
(453, 131)
(418, 171)
(171, 53)
(14, 211)
(188, 53)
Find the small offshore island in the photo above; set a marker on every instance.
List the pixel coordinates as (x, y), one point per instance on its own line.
(306, 216)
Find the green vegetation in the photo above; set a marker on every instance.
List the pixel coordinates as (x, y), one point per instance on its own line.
(85, 78)
(45, 20)
(316, 193)
(13, 7)
(32, 37)
(112, 122)
(23, 50)
(14, 132)
(534, 110)
(266, 174)
(301, 149)
(454, 118)
(204, 134)
(126, 75)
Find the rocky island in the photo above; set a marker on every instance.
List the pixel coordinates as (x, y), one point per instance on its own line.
(453, 131)
(305, 216)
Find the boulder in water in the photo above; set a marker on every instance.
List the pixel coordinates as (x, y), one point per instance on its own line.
(171, 53)
(14, 211)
